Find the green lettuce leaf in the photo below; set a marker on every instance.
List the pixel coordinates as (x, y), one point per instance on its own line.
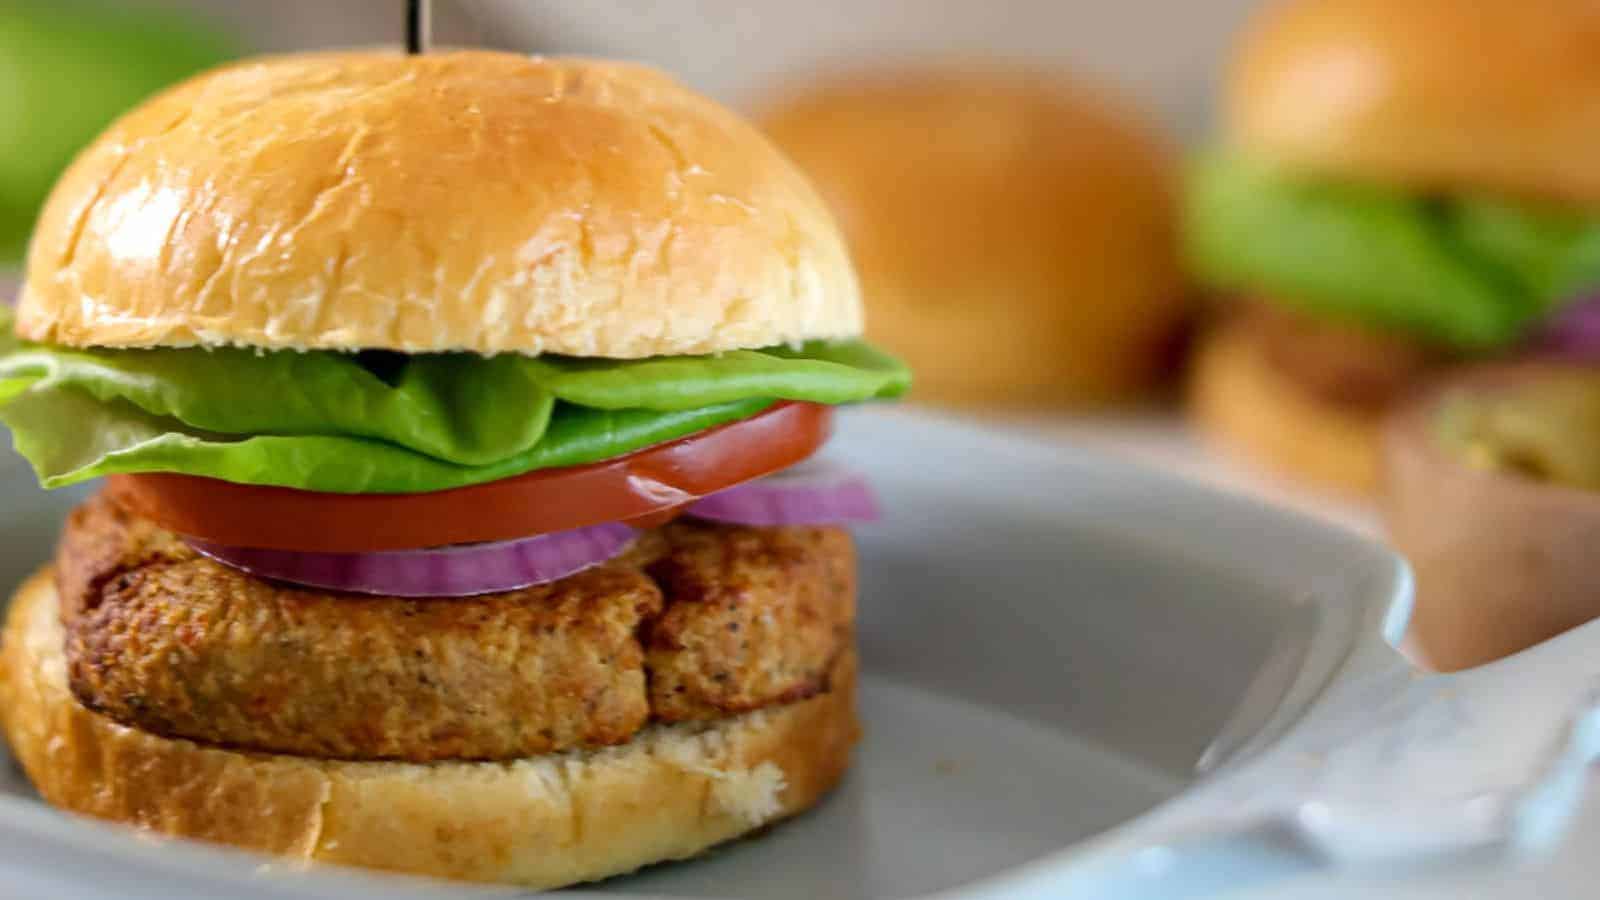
(1554, 257)
(1467, 272)
(387, 423)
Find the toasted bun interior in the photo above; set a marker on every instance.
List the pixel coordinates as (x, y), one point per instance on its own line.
(1488, 95)
(476, 201)
(1013, 229)
(540, 822)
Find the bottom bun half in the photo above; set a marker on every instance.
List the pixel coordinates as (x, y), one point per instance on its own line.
(541, 822)
(1239, 399)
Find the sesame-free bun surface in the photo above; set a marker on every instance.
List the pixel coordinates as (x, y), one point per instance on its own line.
(476, 201)
(540, 822)
(1485, 95)
(1013, 229)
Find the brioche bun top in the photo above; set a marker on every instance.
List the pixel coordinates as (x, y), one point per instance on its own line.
(1487, 95)
(472, 201)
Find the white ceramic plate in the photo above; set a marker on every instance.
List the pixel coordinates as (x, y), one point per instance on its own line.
(1056, 643)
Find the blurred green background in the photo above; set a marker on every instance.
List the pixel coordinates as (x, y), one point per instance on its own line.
(67, 69)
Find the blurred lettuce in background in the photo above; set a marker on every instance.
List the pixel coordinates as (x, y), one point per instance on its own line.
(67, 69)
(1472, 272)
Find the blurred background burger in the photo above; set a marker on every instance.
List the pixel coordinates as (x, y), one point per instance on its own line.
(1398, 187)
(1013, 229)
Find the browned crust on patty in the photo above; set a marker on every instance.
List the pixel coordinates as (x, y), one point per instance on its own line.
(168, 641)
(713, 650)
(540, 822)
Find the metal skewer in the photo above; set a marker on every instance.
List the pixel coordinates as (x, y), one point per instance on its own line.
(419, 25)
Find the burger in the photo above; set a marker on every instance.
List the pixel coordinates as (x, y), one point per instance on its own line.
(450, 410)
(1015, 229)
(1400, 187)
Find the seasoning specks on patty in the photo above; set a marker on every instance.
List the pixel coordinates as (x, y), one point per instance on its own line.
(697, 621)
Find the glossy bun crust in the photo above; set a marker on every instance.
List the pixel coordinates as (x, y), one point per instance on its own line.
(1496, 95)
(540, 822)
(477, 201)
(1013, 229)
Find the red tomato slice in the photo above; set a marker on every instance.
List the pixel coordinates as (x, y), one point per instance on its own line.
(645, 486)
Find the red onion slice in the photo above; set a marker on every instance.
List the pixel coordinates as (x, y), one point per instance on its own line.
(813, 493)
(459, 571)
(1575, 331)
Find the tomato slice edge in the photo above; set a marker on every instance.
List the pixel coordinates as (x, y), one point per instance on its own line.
(644, 486)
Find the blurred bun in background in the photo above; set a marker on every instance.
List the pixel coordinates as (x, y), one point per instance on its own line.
(67, 68)
(1400, 186)
(1013, 229)
(1491, 95)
